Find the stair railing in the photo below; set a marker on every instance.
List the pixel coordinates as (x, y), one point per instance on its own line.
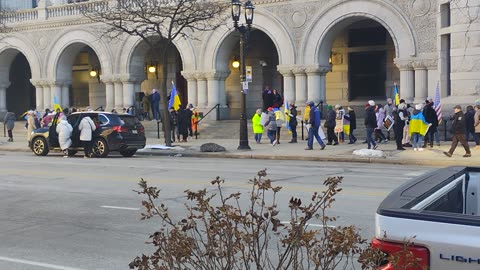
(217, 118)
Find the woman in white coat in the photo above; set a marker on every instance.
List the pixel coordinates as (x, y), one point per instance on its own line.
(64, 130)
(86, 127)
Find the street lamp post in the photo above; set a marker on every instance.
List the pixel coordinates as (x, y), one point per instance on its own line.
(244, 31)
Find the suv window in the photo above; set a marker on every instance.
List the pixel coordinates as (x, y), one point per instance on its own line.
(73, 119)
(102, 120)
(128, 120)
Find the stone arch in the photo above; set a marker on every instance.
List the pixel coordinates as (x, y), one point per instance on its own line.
(322, 32)
(68, 43)
(131, 57)
(10, 47)
(217, 50)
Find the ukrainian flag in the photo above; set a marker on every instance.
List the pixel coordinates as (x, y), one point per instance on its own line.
(174, 99)
(397, 96)
(418, 124)
(56, 105)
(287, 117)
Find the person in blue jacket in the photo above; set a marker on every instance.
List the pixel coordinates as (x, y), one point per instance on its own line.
(313, 125)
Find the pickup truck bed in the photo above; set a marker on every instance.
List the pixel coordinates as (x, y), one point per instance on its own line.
(441, 211)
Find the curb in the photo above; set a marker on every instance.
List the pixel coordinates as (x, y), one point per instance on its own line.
(392, 161)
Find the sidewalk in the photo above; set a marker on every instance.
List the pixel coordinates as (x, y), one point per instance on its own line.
(286, 151)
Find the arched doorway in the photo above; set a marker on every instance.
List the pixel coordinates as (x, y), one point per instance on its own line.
(361, 58)
(145, 65)
(262, 59)
(78, 81)
(20, 93)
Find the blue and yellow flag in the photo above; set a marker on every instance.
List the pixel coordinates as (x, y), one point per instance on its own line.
(174, 99)
(287, 117)
(56, 105)
(397, 96)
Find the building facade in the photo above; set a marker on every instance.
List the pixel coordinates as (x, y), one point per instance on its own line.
(336, 51)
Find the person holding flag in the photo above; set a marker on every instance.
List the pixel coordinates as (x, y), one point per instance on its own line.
(292, 121)
(174, 101)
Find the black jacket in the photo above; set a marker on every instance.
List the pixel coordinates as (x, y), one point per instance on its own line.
(430, 115)
(470, 121)
(293, 119)
(330, 120)
(350, 116)
(458, 123)
(370, 118)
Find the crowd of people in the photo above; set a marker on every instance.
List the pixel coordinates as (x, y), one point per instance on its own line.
(414, 126)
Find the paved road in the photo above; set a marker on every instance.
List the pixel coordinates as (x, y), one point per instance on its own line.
(75, 213)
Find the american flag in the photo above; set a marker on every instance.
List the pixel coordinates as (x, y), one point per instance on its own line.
(437, 104)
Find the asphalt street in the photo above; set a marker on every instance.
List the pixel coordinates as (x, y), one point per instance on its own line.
(76, 213)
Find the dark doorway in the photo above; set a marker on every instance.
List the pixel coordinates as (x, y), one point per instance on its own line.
(20, 93)
(367, 75)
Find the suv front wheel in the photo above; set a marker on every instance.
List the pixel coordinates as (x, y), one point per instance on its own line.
(100, 148)
(39, 146)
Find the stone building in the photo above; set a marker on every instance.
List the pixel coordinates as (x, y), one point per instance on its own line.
(337, 51)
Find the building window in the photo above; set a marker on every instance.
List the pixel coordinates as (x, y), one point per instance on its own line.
(445, 15)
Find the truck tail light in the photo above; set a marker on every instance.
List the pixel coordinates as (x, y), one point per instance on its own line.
(407, 255)
(120, 129)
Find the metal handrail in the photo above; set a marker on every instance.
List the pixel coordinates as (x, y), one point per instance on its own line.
(197, 122)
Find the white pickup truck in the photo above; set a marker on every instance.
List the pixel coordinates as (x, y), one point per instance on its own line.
(439, 213)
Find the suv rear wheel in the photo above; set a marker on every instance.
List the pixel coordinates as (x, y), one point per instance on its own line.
(100, 148)
(39, 146)
(128, 153)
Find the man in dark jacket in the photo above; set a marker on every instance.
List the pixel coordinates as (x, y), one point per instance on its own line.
(458, 131)
(469, 123)
(399, 117)
(370, 124)
(293, 122)
(314, 125)
(330, 125)
(268, 98)
(431, 117)
(352, 118)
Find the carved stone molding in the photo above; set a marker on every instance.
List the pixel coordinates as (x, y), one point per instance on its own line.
(188, 75)
(317, 70)
(200, 76)
(217, 75)
(419, 64)
(298, 71)
(404, 64)
(285, 70)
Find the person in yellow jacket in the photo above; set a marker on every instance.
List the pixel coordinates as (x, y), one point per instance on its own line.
(194, 121)
(257, 126)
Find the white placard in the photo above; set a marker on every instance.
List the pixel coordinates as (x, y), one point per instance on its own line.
(248, 73)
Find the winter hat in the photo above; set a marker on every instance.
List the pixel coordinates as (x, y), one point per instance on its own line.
(337, 106)
(350, 108)
(371, 103)
(418, 107)
(330, 107)
(310, 103)
(270, 109)
(458, 107)
(402, 106)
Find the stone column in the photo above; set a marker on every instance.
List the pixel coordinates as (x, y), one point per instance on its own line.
(222, 76)
(407, 80)
(109, 95)
(191, 87)
(65, 95)
(118, 95)
(202, 90)
(433, 76)
(421, 82)
(47, 96)
(56, 92)
(316, 78)
(3, 97)
(288, 84)
(38, 95)
(300, 85)
(213, 86)
(128, 93)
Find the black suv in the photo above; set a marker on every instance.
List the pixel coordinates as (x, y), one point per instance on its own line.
(115, 132)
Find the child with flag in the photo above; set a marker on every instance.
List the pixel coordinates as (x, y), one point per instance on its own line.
(418, 128)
